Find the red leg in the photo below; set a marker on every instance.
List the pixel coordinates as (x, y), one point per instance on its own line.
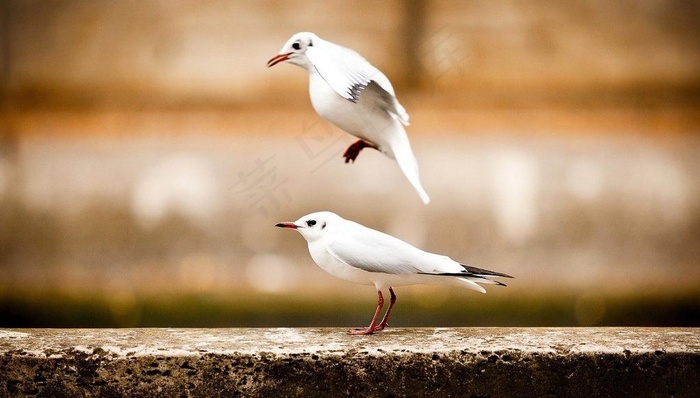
(373, 325)
(353, 150)
(385, 321)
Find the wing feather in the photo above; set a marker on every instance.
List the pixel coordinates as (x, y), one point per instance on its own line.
(376, 252)
(373, 251)
(349, 75)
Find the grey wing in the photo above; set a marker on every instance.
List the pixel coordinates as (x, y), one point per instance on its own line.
(352, 76)
(376, 95)
(374, 251)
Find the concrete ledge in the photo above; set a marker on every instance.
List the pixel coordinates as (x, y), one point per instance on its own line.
(476, 362)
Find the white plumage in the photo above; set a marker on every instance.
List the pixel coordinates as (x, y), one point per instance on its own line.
(353, 252)
(352, 94)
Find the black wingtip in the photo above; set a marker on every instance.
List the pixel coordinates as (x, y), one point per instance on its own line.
(485, 272)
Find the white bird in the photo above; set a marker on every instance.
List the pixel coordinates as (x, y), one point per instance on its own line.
(355, 96)
(355, 253)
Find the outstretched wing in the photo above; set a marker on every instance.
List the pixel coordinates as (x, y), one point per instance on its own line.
(352, 76)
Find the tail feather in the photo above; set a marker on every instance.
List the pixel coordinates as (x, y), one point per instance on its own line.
(401, 151)
(486, 281)
(472, 285)
(473, 276)
(473, 279)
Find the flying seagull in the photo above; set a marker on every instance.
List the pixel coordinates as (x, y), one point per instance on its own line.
(352, 94)
(355, 253)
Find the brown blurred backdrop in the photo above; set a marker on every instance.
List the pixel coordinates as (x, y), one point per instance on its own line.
(146, 153)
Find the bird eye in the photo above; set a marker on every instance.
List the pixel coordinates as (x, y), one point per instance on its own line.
(296, 45)
(311, 223)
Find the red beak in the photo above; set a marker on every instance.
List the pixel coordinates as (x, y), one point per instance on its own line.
(277, 59)
(286, 225)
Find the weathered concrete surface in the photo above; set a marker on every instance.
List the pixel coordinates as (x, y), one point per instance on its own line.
(474, 362)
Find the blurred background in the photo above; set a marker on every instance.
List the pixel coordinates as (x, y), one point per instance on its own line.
(146, 153)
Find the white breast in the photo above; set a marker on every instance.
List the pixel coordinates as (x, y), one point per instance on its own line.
(340, 270)
(357, 119)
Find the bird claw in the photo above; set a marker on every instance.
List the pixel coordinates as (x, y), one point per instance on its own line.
(354, 150)
(367, 331)
(362, 331)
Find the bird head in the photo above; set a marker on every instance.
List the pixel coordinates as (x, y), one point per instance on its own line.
(313, 226)
(294, 50)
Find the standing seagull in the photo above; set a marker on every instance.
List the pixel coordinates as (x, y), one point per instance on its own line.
(352, 94)
(355, 253)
